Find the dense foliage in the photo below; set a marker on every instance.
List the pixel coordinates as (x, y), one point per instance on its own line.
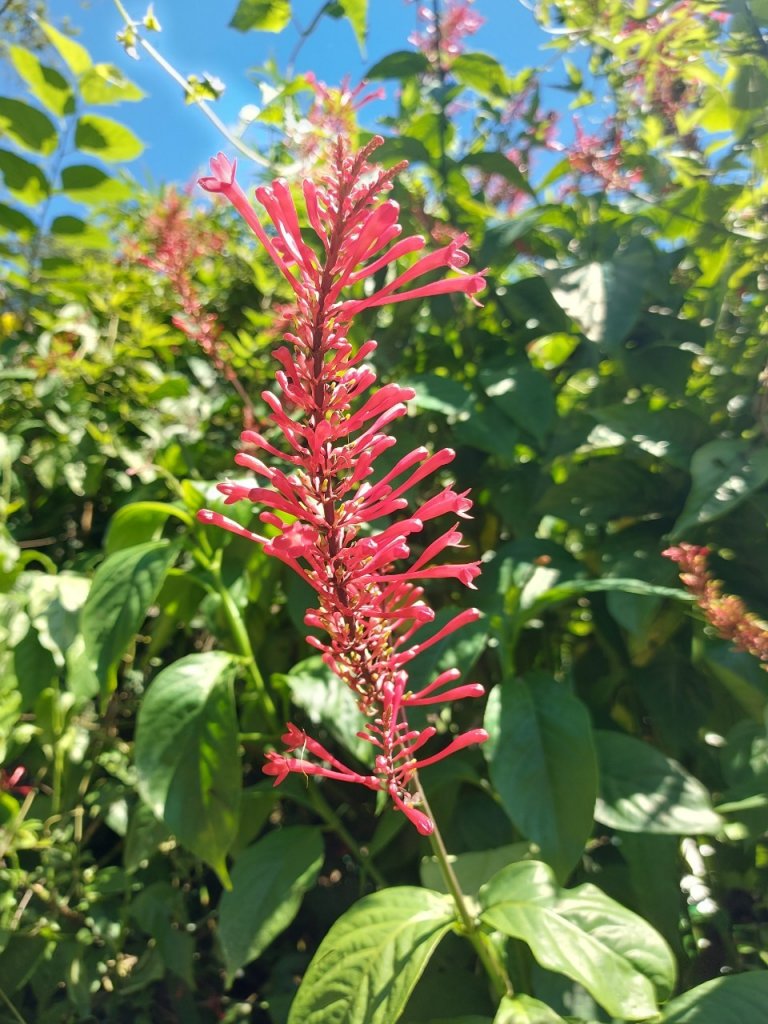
(609, 842)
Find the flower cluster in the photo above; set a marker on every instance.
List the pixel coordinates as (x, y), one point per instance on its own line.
(602, 158)
(724, 612)
(177, 241)
(330, 516)
(443, 37)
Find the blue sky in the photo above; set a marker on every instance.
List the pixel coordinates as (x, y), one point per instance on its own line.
(196, 38)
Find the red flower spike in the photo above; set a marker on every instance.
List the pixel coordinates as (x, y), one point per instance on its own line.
(322, 502)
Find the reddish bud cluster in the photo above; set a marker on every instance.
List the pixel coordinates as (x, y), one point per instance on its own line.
(443, 37)
(724, 612)
(324, 505)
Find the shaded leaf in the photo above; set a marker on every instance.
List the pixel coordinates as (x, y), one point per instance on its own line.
(187, 757)
(641, 790)
(88, 184)
(14, 220)
(269, 880)
(525, 1010)
(29, 127)
(542, 763)
(369, 962)
(24, 180)
(724, 473)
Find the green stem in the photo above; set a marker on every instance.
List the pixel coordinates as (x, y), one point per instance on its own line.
(331, 818)
(486, 951)
(245, 648)
(17, 1016)
(179, 78)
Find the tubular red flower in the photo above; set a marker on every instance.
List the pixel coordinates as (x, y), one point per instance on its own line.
(369, 603)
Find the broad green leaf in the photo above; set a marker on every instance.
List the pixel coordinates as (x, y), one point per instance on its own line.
(525, 1010)
(29, 127)
(79, 232)
(671, 434)
(724, 473)
(369, 962)
(738, 999)
(24, 180)
(263, 15)
(15, 221)
(54, 606)
(605, 299)
(542, 764)
(472, 869)
(45, 84)
(104, 84)
(538, 595)
(440, 394)
(124, 587)
(482, 73)
(88, 184)
(74, 54)
(107, 139)
(356, 12)
(524, 395)
(400, 64)
(583, 934)
(139, 522)
(269, 880)
(641, 790)
(497, 163)
(187, 754)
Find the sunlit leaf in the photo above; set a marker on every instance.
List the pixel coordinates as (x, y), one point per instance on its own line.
(24, 180)
(91, 185)
(262, 15)
(732, 1000)
(74, 54)
(44, 83)
(104, 84)
(369, 962)
(107, 139)
(187, 757)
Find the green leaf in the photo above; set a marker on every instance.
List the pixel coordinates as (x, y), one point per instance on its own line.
(524, 395)
(24, 180)
(369, 962)
(482, 73)
(356, 12)
(74, 54)
(542, 764)
(107, 139)
(15, 221)
(124, 587)
(641, 790)
(139, 522)
(605, 299)
(269, 880)
(79, 232)
(724, 474)
(187, 754)
(498, 163)
(88, 184)
(739, 999)
(400, 64)
(104, 84)
(45, 84)
(583, 934)
(29, 127)
(525, 1010)
(263, 15)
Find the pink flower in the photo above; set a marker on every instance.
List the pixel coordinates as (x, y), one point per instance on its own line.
(726, 613)
(335, 520)
(443, 37)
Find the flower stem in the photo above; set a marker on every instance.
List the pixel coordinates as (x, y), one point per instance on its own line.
(179, 78)
(486, 951)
